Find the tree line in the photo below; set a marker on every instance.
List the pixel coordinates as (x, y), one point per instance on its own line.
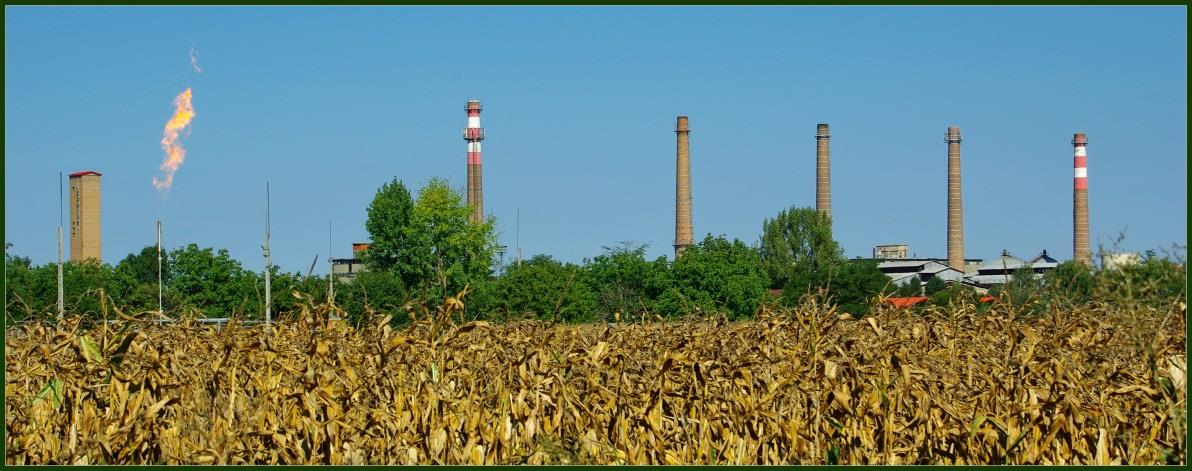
(424, 249)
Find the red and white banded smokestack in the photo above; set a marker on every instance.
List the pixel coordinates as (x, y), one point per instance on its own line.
(473, 134)
(1080, 201)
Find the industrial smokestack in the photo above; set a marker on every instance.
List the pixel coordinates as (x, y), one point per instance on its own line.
(683, 229)
(1080, 201)
(955, 203)
(823, 172)
(473, 134)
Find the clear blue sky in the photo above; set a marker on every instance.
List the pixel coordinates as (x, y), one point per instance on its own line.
(328, 103)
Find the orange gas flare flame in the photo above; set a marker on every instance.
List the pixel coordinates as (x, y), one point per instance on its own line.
(175, 153)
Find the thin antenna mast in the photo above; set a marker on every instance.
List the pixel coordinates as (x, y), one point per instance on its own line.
(268, 299)
(330, 267)
(160, 312)
(61, 306)
(517, 239)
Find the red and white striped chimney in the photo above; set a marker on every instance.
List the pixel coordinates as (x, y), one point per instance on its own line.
(1080, 201)
(473, 134)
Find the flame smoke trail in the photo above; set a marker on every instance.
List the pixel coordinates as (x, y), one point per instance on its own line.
(194, 60)
(175, 153)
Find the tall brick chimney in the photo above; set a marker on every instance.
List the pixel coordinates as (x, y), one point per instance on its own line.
(955, 202)
(683, 237)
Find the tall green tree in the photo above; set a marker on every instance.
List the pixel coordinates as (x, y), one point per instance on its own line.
(215, 283)
(716, 276)
(624, 281)
(911, 288)
(135, 280)
(856, 284)
(1070, 283)
(444, 252)
(541, 288)
(797, 249)
(24, 293)
(378, 291)
(388, 216)
(935, 285)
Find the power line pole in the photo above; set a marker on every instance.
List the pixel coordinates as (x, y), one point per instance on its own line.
(160, 312)
(61, 306)
(517, 238)
(330, 267)
(268, 265)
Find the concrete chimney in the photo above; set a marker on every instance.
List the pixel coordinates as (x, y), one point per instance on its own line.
(1080, 202)
(955, 202)
(84, 216)
(683, 230)
(823, 172)
(473, 134)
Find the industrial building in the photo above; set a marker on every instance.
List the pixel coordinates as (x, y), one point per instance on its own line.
(345, 269)
(85, 241)
(977, 274)
(893, 251)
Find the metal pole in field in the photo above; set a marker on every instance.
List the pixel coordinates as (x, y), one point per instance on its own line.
(159, 309)
(268, 299)
(61, 305)
(330, 267)
(517, 237)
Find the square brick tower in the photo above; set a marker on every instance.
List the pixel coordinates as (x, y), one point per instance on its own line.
(84, 215)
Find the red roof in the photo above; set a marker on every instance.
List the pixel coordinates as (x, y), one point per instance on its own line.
(86, 172)
(906, 302)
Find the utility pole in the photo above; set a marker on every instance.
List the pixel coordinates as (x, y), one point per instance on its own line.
(268, 299)
(330, 267)
(517, 238)
(61, 306)
(160, 312)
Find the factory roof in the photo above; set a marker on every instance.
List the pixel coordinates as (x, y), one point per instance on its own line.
(86, 172)
(1006, 262)
(1044, 260)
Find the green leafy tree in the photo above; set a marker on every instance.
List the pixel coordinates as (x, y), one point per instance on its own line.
(935, 285)
(24, 295)
(445, 252)
(1155, 280)
(380, 292)
(953, 295)
(215, 283)
(284, 286)
(856, 284)
(798, 251)
(541, 288)
(1070, 283)
(716, 276)
(624, 281)
(914, 287)
(135, 281)
(1024, 291)
(388, 216)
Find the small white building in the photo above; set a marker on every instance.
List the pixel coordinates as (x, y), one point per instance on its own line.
(1114, 261)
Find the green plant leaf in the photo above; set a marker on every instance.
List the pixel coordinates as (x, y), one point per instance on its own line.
(91, 351)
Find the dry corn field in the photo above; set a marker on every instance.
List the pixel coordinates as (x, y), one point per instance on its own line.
(794, 386)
